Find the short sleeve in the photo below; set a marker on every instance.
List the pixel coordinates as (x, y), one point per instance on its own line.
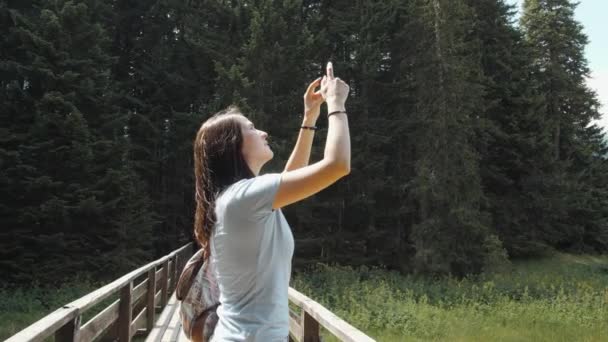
(254, 196)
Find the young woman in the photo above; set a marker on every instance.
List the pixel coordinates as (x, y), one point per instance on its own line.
(238, 218)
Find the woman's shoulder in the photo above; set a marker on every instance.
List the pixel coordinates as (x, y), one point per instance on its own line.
(251, 193)
(256, 183)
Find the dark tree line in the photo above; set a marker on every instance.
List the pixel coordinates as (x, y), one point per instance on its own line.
(472, 136)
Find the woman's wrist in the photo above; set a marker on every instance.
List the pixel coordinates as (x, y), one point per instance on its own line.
(335, 107)
(309, 121)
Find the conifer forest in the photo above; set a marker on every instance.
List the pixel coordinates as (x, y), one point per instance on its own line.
(473, 130)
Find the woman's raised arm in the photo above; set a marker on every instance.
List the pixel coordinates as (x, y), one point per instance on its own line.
(304, 182)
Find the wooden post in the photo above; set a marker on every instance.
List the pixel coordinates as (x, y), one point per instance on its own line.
(69, 332)
(171, 275)
(125, 313)
(310, 326)
(164, 295)
(177, 269)
(150, 308)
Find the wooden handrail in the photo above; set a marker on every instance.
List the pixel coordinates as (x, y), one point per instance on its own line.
(64, 323)
(119, 321)
(306, 327)
(102, 293)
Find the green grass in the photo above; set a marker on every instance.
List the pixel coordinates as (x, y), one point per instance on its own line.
(562, 298)
(22, 307)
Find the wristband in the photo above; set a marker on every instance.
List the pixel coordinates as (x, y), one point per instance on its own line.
(312, 128)
(336, 112)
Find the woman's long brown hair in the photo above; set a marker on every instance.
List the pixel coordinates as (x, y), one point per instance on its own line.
(218, 163)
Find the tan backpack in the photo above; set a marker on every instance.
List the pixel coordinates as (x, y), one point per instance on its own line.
(198, 293)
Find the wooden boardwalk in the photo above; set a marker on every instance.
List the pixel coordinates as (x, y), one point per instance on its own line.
(168, 328)
(150, 290)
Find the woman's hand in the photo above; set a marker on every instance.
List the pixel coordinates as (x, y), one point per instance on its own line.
(334, 90)
(312, 101)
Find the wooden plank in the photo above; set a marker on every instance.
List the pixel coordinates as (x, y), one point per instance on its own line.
(171, 276)
(327, 319)
(139, 323)
(125, 312)
(173, 328)
(68, 332)
(310, 328)
(157, 299)
(163, 283)
(295, 329)
(163, 321)
(158, 276)
(98, 324)
(151, 303)
(47, 326)
(104, 292)
(140, 290)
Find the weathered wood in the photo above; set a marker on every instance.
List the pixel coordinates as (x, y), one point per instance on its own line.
(164, 294)
(327, 319)
(97, 325)
(159, 274)
(151, 303)
(65, 323)
(104, 292)
(125, 312)
(295, 330)
(157, 300)
(47, 326)
(111, 334)
(139, 322)
(68, 332)
(173, 328)
(176, 272)
(139, 291)
(163, 321)
(171, 275)
(310, 328)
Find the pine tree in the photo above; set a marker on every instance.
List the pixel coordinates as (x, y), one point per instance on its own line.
(558, 42)
(511, 138)
(59, 207)
(367, 55)
(167, 54)
(451, 233)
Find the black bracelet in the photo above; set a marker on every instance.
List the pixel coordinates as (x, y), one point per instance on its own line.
(336, 112)
(312, 128)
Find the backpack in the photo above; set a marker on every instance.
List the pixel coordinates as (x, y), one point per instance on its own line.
(198, 293)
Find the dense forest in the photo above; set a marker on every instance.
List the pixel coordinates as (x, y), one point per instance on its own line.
(472, 133)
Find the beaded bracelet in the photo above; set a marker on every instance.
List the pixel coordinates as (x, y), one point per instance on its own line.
(312, 128)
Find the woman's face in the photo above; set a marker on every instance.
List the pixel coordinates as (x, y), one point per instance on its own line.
(256, 150)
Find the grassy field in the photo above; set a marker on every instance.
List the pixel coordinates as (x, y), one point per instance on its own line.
(20, 308)
(562, 298)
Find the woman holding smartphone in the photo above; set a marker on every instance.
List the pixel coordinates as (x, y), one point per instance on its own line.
(238, 218)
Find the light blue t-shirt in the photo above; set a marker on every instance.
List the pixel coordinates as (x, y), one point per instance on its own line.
(251, 248)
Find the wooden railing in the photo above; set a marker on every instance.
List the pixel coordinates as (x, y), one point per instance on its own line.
(304, 326)
(145, 291)
(140, 299)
